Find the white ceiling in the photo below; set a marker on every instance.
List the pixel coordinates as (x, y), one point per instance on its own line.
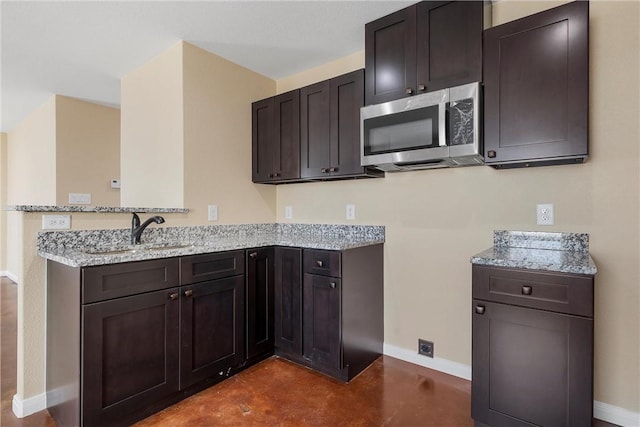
(83, 48)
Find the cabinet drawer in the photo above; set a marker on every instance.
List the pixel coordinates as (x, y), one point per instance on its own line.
(323, 263)
(563, 293)
(119, 280)
(199, 268)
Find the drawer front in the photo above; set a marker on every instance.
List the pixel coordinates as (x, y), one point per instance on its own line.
(119, 280)
(562, 293)
(323, 263)
(200, 268)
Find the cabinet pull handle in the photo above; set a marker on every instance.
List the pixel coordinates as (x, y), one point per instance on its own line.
(276, 175)
(408, 91)
(480, 309)
(491, 154)
(188, 293)
(270, 175)
(332, 285)
(332, 169)
(319, 263)
(422, 87)
(526, 290)
(253, 254)
(173, 296)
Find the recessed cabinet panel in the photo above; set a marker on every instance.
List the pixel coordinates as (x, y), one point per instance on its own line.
(315, 124)
(260, 300)
(536, 94)
(322, 320)
(288, 301)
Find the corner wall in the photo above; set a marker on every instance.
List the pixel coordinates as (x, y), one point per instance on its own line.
(437, 219)
(87, 151)
(3, 203)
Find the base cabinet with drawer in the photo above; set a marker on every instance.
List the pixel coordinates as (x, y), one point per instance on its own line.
(340, 329)
(532, 348)
(125, 340)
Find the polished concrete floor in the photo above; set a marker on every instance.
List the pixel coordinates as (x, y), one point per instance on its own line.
(279, 393)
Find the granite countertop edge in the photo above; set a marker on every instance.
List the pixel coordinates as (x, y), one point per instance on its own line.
(81, 258)
(95, 209)
(557, 261)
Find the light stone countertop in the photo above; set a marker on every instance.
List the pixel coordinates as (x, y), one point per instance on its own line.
(557, 252)
(74, 248)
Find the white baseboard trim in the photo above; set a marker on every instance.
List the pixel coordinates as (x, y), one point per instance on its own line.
(443, 365)
(25, 407)
(602, 411)
(615, 415)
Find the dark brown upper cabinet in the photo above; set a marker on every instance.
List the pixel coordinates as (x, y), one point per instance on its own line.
(536, 94)
(424, 47)
(330, 128)
(276, 138)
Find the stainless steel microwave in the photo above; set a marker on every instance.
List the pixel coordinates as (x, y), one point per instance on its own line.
(432, 130)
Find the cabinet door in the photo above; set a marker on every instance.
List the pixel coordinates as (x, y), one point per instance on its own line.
(259, 302)
(531, 367)
(130, 355)
(286, 125)
(390, 56)
(322, 320)
(262, 140)
(449, 43)
(536, 93)
(315, 130)
(211, 329)
(347, 97)
(288, 300)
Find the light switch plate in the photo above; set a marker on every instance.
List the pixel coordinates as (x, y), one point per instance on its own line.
(79, 198)
(56, 222)
(213, 213)
(115, 183)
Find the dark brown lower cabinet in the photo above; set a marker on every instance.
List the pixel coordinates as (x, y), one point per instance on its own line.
(531, 365)
(130, 355)
(288, 300)
(333, 322)
(211, 329)
(322, 321)
(259, 303)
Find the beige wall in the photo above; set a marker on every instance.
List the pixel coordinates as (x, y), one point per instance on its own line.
(87, 151)
(151, 163)
(435, 220)
(3, 201)
(31, 156)
(217, 140)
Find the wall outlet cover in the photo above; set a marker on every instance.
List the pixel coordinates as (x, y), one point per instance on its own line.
(79, 198)
(350, 211)
(213, 213)
(544, 214)
(288, 212)
(56, 222)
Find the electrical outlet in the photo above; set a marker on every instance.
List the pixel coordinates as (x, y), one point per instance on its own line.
(350, 211)
(213, 213)
(288, 212)
(425, 347)
(79, 198)
(56, 222)
(544, 214)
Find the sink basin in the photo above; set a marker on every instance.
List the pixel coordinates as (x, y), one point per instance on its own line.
(132, 249)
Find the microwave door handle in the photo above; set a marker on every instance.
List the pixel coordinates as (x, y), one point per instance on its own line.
(443, 111)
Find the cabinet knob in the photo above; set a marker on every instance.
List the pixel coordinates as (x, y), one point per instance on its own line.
(491, 154)
(276, 175)
(270, 175)
(422, 87)
(173, 296)
(480, 309)
(324, 170)
(408, 91)
(526, 290)
(188, 293)
(332, 169)
(253, 254)
(332, 285)
(319, 263)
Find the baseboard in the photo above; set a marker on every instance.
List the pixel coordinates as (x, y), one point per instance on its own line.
(615, 415)
(443, 365)
(602, 411)
(25, 407)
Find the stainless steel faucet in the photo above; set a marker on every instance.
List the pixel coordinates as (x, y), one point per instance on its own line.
(137, 228)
